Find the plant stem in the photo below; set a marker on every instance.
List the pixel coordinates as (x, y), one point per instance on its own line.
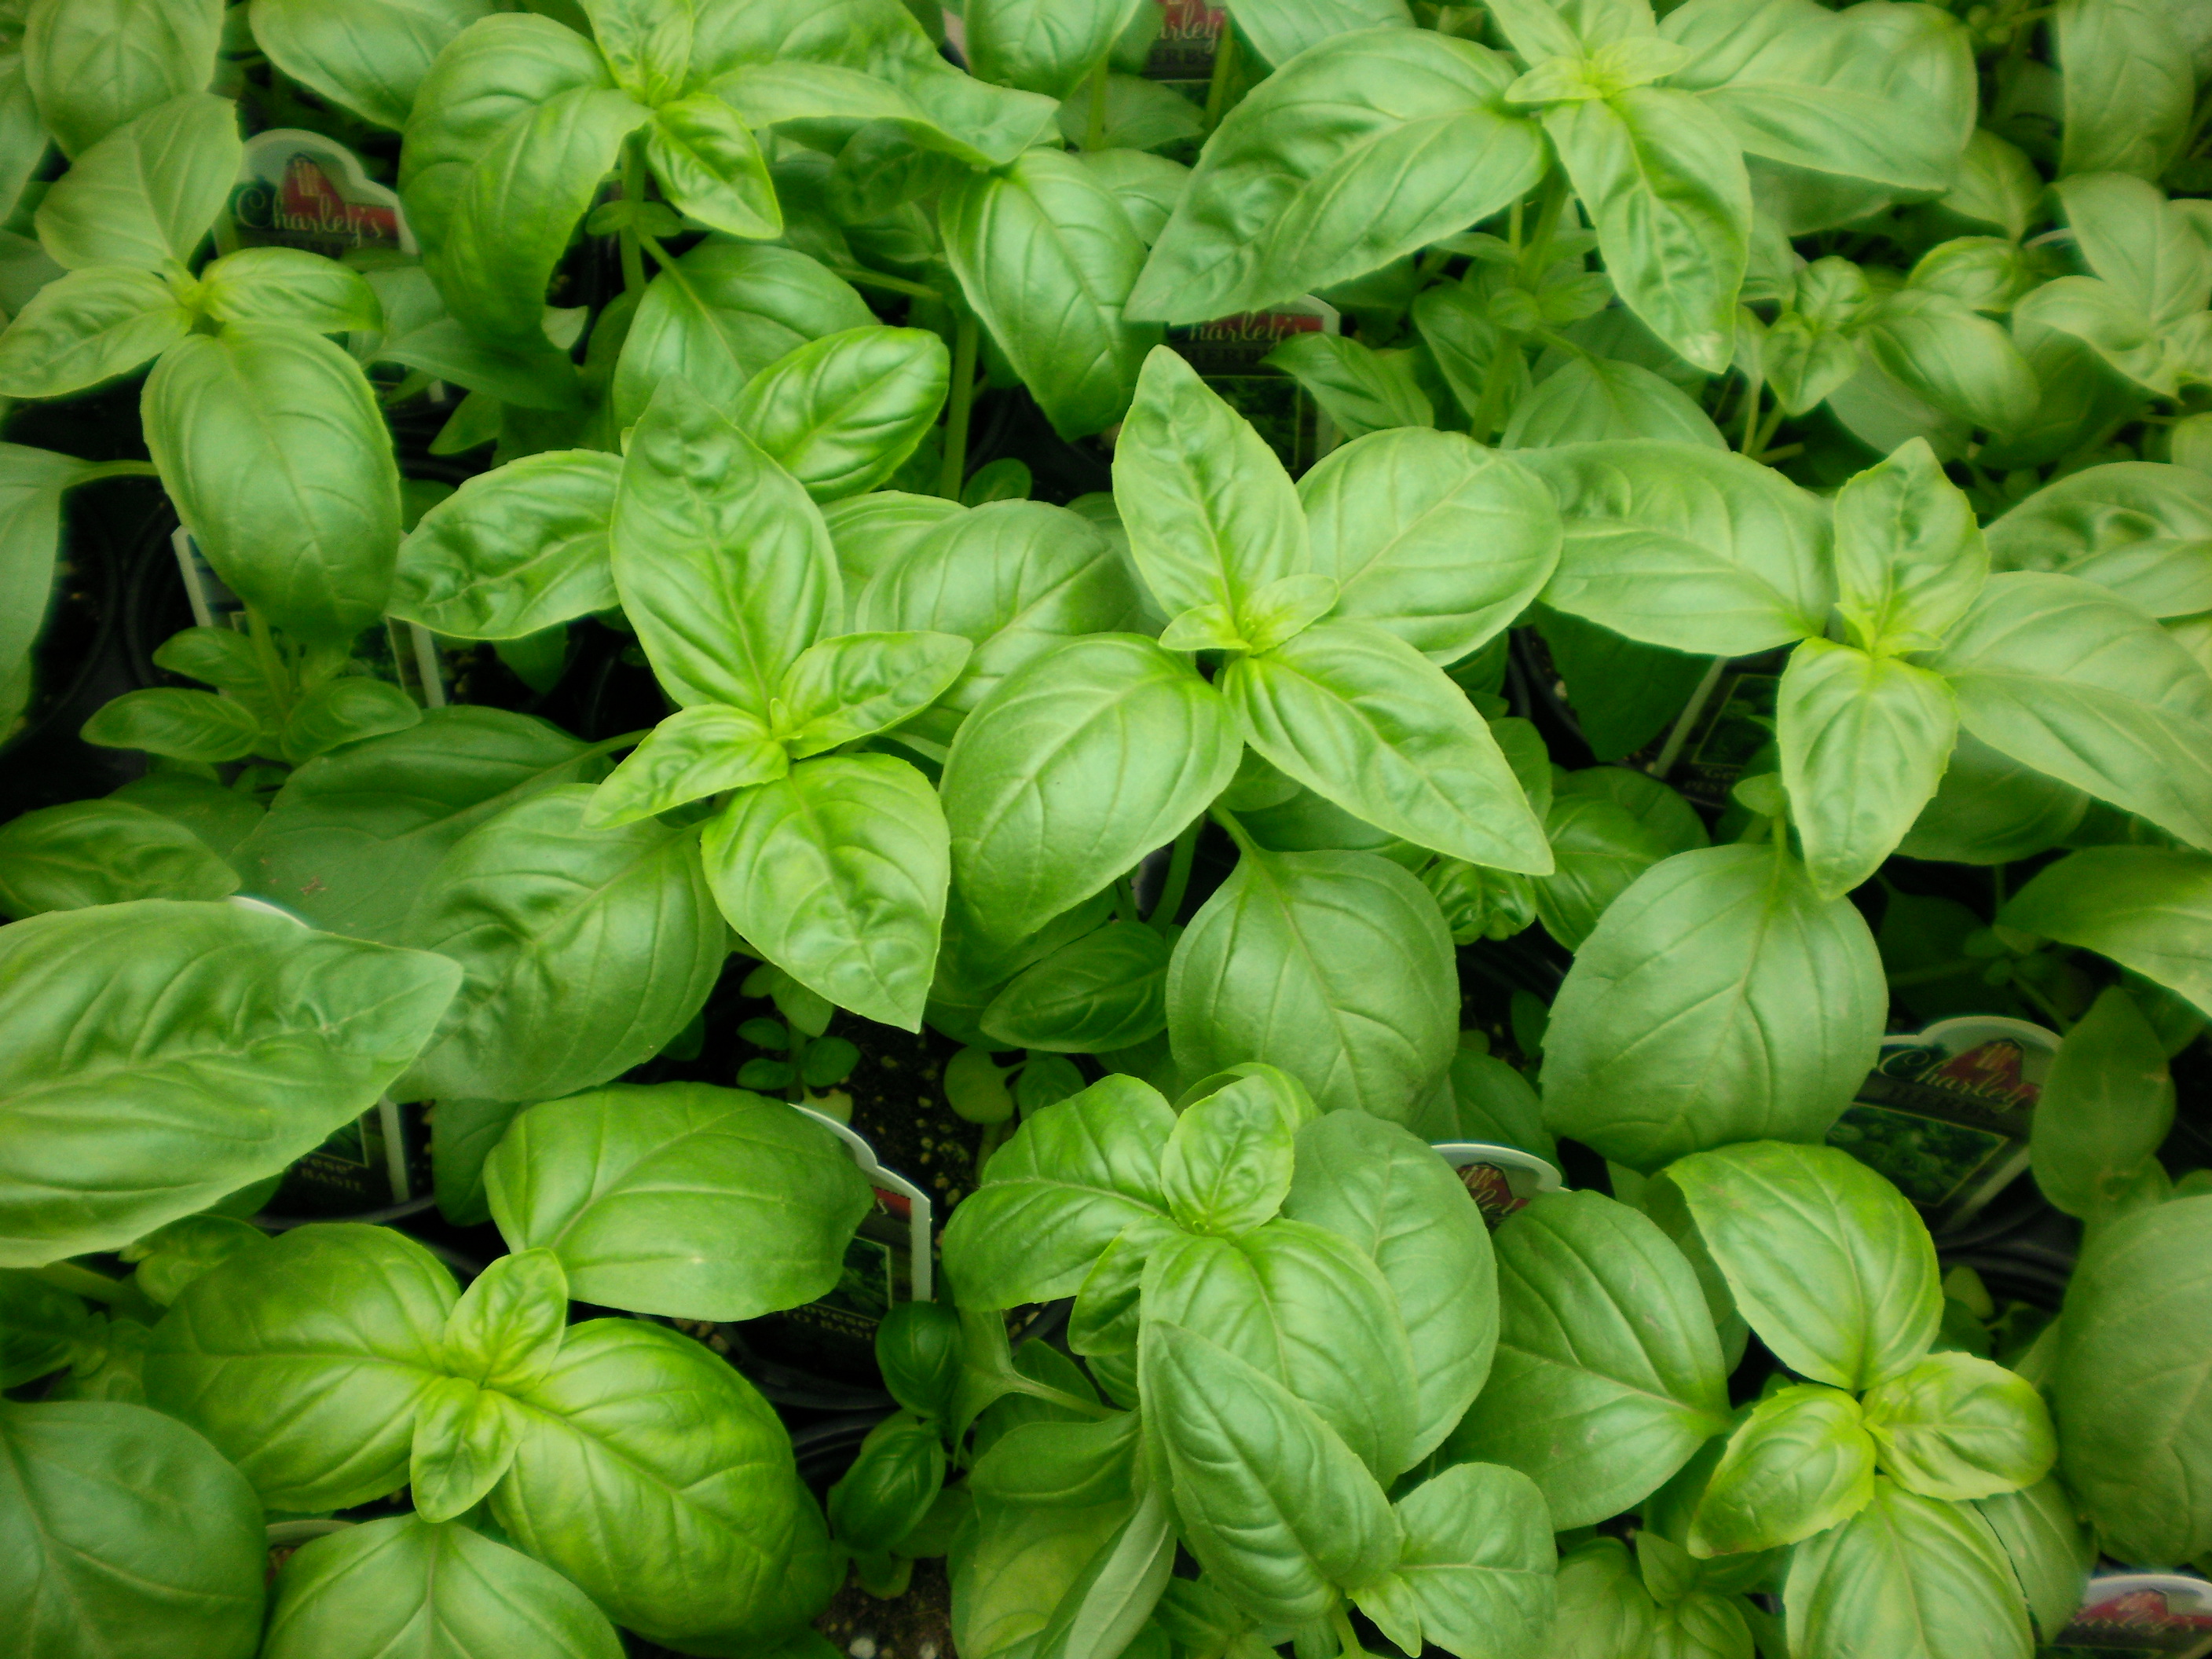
(1482, 423)
(84, 1282)
(272, 662)
(633, 190)
(1178, 882)
(1018, 1383)
(114, 470)
(1237, 832)
(889, 284)
(1550, 202)
(955, 472)
(1094, 127)
(1749, 444)
(2044, 1003)
(1671, 751)
(1217, 85)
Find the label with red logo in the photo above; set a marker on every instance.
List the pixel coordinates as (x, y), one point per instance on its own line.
(2156, 1615)
(1183, 49)
(298, 189)
(1500, 1179)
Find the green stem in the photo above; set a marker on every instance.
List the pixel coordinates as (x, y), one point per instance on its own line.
(1125, 901)
(1178, 882)
(1217, 85)
(889, 284)
(2043, 1002)
(1018, 1383)
(84, 1282)
(1551, 203)
(1671, 751)
(633, 190)
(608, 745)
(1237, 832)
(1482, 424)
(114, 470)
(955, 472)
(1749, 443)
(1347, 1639)
(273, 663)
(1094, 129)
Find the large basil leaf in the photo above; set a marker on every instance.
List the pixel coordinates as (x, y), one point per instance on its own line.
(1377, 1187)
(368, 55)
(1010, 1575)
(95, 64)
(840, 413)
(352, 836)
(720, 313)
(146, 193)
(1687, 547)
(1047, 257)
(711, 167)
(946, 112)
(1475, 1574)
(1956, 1426)
(1430, 537)
(836, 873)
(1800, 1463)
(1957, 362)
(271, 443)
(1825, 1259)
(305, 1358)
(653, 1476)
(1361, 718)
(1371, 145)
(156, 1056)
(2105, 1109)
(1588, 398)
(2141, 529)
(514, 550)
(122, 1532)
(1907, 1577)
(103, 852)
(583, 951)
(1334, 966)
(1600, 846)
(1909, 557)
(2144, 907)
(1077, 765)
(2081, 684)
(1604, 1611)
(1276, 1508)
(2129, 86)
(724, 565)
(384, 1585)
(874, 532)
(680, 1198)
(1105, 991)
(1608, 1374)
(86, 327)
(2051, 1553)
(2131, 1395)
(1042, 47)
(1719, 998)
(1990, 809)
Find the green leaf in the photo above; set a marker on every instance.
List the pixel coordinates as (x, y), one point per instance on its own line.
(1599, 848)
(652, 1477)
(289, 285)
(1334, 966)
(1043, 47)
(2081, 685)
(125, 1532)
(1864, 742)
(368, 55)
(146, 192)
(945, 112)
(1055, 1195)
(873, 532)
(2141, 529)
(419, 332)
(160, 1055)
(94, 66)
(87, 327)
(353, 836)
(1910, 559)
(1019, 1563)
(1686, 547)
(1076, 766)
(304, 1359)
(1662, 179)
(513, 550)
(1608, 1375)
(1949, 356)
(1361, 718)
(1826, 1260)
(1047, 257)
(857, 684)
(840, 413)
(178, 725)
(464, 1442)
(722, 312)
(1958, 1427)
(584, 950)
(1360, 390)
(1105, 991)
(836, 874)
(2050, 1554)
(1280, 30)
(1604, 1611)
(373, 1587)
(1799, 1464)
(103, 852)
(1991, 809)
(463, 1133)
(1475, 1573)
(270, 444)
(2141, 906)
(711, 167)
(345, 708)
(1355, 156)
(2105, 1110)
(1591, 399)
(1907, 1578)
(1275, 1507)
(2144, 247)
(1430, 537)
(2129, 86)
(694, 753)
(1227, 1166)
(1719, 998)
(633, 1187)
(891, 1484)
(2094, 313)
(724, 565)
(2129, 1390)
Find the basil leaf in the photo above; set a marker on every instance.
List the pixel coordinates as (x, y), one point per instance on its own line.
(836, 873)
(272, 445)
(1077, 765)
(1912, 1576)
(1691, 1017)
(874, 532)
(856, 684)
(1280, 30)
(304, 1359)
(420, 333)
(103, 852)
(1958, 1427)
(178, 725)
(1864, 742)
(1384, 1192)
(1047, 257)
(2129, 1385)
(1334, 966)
(1353, 156)
(1599, 847)
(1778, 1218)
(148, 192)
(1430, 537)
(1799, 1464)
(87, 327)
(1960, 364)
(1105, 991)
(1910, 559)
(1467, 345)
(951, 114)
(1608, 1375)
(287, 285)
(1074, 1175)
(353, 836)
(2139, 244)
(2050, 1553)
(93, 67)
(690, 1528)
(632, 1187)
(2081, 685)
(1686, 547)
(1275, 1507)
(694, 753)
(2129, 86)
(2140, 906)
(1476, 1570)
(345, 709)
(1589, 398)
(840, 413)
(2105, 1108)
(1990, 809)
(584, 950)
(1604, 1611)
(124, 1531)
(1664, 183)
(723, 564)
(1019, 1562)
(711, 167)
(514, 550)
(368, 55)
(1360, 389)
(2141, 530)
(374, 1586)
(1041, 47)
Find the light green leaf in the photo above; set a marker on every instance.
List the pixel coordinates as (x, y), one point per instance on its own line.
(2129, 83)
(1141, 115)
(1907, 1577)
(513, 550)
(1475, 1573)
(1589, 398)
(1600, 843)
(694, 753)
(464, 1439)
(2105, 1110)
(148, 192)
(343, 709)
(707, 160)
(1954, 359)
(368, 55)
(94, 64)
(2145, 248)
(87, 327)
(2143, 529)
(1910, 559)
(840, 413)
(1958, 1427)
(873, 532)
(1042, 46)
(2144, 907)
(1827, 1261)
(857, 684)
(1105, 991)
(289, 285)
(1604, 1611)
(2094, 313)
(2050, 1554)
(1800, 1463)
(1280, 30)
(178, 725)
(1360, 390)
(978, 124)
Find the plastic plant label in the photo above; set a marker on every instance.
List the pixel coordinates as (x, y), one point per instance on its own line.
(298, 189)
(1227, 352)
(1182, 52)
(1501, 1179)
(2156, 1615)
